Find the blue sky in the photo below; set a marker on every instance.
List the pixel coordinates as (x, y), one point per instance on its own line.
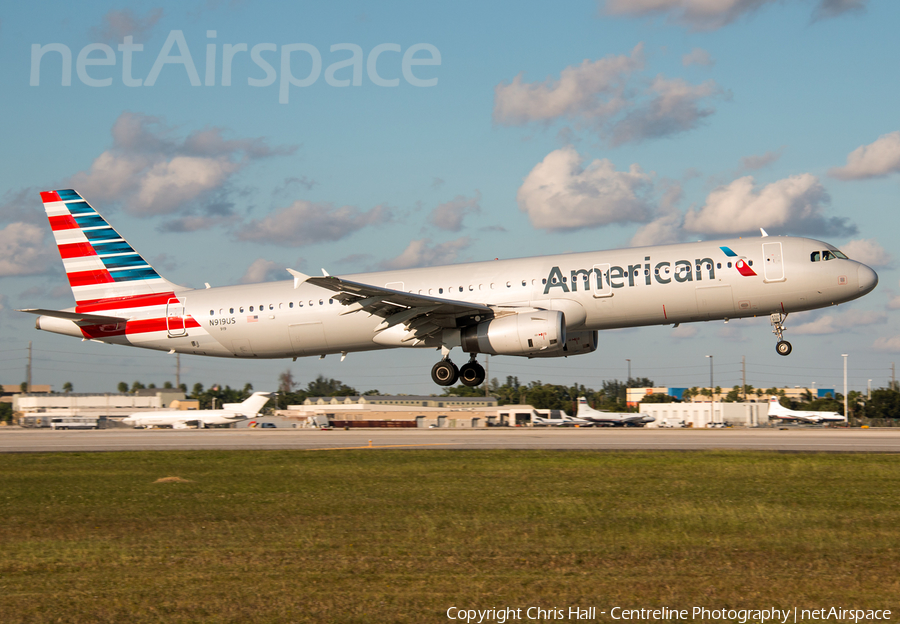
(639, 122)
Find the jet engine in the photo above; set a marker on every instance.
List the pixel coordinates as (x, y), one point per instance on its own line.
(527, 333)
(577, 342)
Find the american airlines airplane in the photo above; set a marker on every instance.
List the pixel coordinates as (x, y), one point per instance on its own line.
(179, 419)
(611, 419)
(546, 306)
(777, 410)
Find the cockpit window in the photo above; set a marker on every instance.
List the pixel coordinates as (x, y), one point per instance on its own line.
(840, 254)
(827, 255)
(815, 256)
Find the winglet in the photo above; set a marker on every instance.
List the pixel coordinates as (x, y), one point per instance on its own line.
(299, 277)
(325, 273)
(764, 233)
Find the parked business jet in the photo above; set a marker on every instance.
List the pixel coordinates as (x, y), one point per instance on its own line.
(611, 419)
(777, 410)
(547, 306)
(179, 419)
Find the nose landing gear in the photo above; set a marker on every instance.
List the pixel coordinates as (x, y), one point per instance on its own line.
(783, 347)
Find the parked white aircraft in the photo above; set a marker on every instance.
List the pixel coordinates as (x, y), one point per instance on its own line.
(614, 419)
(777, 410)
(179, 419)
(562, 420)
(547, 306)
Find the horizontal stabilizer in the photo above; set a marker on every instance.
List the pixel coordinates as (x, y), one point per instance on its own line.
(79, 319)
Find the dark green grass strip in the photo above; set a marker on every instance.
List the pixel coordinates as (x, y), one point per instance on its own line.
(400, 536)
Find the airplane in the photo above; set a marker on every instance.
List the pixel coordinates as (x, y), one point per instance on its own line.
(179, 419)
(777, 410)
(564, 420)
(611, 419)
(545, 306)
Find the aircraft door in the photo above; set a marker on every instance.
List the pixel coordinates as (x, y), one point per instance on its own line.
(175, 317)
(600, 286)
(774, 268)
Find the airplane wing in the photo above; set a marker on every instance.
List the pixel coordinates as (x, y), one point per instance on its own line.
(421, 314)
(80, 319)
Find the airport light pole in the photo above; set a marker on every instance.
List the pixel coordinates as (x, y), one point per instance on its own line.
(629, 368)
(711, 386)
(846, 413)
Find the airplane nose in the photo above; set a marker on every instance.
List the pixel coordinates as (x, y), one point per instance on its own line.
(868, 278)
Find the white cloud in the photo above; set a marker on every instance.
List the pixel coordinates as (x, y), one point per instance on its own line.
(118, 24)
(561, 194)
(449, 215)
(674, 107)
(151, 172)
(792, 205)
(753, 163)
(835, 8)
(305, 223)
(868, 251)
(684, 331)
(423, 253)
(714, 14)
(593, 89)
(23, 251)
(887, 344)
(605, 96)
(697, 56)
(696, 14)
(262, 270)
(667, 227)
(839, 323)
(875, 160)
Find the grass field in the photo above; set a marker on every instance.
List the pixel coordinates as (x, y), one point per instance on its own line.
(400, 536)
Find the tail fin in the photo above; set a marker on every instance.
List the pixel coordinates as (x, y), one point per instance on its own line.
(775, 407)
(99, 263)
(251, 406)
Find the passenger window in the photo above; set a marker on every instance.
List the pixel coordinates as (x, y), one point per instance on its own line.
(230, 310)
(460, 289)
(280, 306)
(509, 284)
(814, 256)
(543, 281)
(718, 265)
(299, 304)
(251, 308)
(440, 291)
(212, 312)
(241, 309)
(271, 307)
(321, 302)
(330, 301)
(524, 283)
(729, 265)
(291, 304)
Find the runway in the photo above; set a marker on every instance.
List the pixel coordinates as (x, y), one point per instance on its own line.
(14, 440)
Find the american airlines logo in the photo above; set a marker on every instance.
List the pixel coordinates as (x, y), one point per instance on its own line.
(614, 276)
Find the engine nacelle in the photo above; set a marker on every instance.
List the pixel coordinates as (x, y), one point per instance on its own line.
(577, 343)
(525, 333)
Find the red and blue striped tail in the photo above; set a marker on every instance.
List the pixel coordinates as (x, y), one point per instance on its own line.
(99, 263)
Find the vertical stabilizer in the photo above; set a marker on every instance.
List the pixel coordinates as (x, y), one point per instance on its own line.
(99, 263)
(251, 406)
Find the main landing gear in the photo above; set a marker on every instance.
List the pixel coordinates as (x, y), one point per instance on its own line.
(445, 372)
(783, 347)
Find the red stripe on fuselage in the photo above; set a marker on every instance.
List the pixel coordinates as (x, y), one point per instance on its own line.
(139, 326)
(63, 222)
(76, 250)
(124, 303)
(50, 196)
(89, 278)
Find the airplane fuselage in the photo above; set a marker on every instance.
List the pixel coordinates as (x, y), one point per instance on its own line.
(642, 286)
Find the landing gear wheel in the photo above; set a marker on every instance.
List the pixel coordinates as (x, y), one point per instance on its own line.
(783, 347)
(445, 373)
(472, 374)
